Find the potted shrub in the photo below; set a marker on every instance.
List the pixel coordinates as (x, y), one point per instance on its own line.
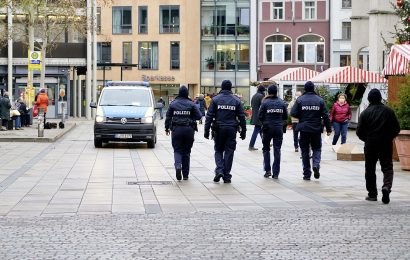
(210, 63)
(402, 109)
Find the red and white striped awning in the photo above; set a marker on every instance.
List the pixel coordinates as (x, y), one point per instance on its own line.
(342, 75)
(295, 74)
(398, 60)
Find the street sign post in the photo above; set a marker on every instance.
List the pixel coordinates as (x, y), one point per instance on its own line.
(34, 60)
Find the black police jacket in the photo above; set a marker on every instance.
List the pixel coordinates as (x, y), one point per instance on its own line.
(311, 109)
(226, 109)
(182, 111)
(378, 123)
(273, 112)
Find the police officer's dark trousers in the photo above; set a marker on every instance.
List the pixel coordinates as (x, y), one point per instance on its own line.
(225, 145)
(269, 133)
(374, 151)
(313, 140)
(182, 141)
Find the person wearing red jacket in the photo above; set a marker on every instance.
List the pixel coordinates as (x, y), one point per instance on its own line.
(340, 116)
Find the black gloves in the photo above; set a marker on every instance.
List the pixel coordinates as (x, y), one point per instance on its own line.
(243, 135)
(206, 134)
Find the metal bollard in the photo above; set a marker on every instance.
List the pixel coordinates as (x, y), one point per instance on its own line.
(40, 125)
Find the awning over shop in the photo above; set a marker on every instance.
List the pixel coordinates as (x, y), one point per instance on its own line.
(343, 75)
(295, 74)
(398, 60)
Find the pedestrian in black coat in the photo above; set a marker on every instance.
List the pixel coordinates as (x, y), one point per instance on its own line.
(256, 102)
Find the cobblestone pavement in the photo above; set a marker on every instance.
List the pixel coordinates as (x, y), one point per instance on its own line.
(339, 233)
(69, 200)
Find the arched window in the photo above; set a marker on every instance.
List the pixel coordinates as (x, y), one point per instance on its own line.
(311, 49)
(278, 49)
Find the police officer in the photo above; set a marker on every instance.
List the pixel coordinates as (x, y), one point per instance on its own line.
(311, 109)
(223, 113)
(181, 120)
(272, 113)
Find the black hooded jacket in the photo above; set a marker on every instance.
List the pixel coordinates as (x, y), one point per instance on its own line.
(256, 102)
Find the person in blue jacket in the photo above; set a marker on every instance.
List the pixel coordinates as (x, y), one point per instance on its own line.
(310, 109)
(272, 113)
(181, 121)
(223, 114)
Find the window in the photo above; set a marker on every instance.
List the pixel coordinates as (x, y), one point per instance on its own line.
(344, 60)
(121, 20)
(278, 48)
(169, 19)
(277, 10)
(148, 55)
(346, 31)
(311, 49)
(309, 10)
(346, 3)
(127, 54)
(174, 55)
(242, 21)
(98, 20)
(104, 52)
(143, 19)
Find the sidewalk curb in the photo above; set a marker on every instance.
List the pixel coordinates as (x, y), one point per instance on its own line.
(39, 139)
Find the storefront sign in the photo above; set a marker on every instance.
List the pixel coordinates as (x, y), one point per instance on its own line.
(34, 60)
(157, 78)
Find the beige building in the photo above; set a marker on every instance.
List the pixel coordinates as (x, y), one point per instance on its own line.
(160, 38)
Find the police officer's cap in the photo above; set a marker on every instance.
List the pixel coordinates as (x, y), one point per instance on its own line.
(226, 85)
(309, 86)
(273, 90)
(183, 92)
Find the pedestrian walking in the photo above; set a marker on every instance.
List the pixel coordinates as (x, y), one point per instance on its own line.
(42, 102)
(5, 106)
(223, 114)
(202, 106)
(181, 122)
(295, 122)
(273, 114)
(310, 109)
(377, 127)
(24, 113)
(256, 102)
(161, 109)
(340, 115)
(207, 101)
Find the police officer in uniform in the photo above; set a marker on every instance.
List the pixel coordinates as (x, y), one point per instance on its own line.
(311, 109)
(224, 112)
(181, 120)
(272, 113)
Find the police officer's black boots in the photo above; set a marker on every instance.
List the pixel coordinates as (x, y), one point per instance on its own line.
(386, 195)
(267, 174)
(178, 174)
(316, 172)
(218, 177)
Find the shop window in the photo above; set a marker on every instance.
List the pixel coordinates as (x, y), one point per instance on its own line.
(143, 19)
(148, 55)
(175, 61)
(121, 20)
(169, 19)
(311, 49)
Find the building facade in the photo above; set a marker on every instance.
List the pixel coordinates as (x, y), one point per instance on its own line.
(292, 33)
(372, 24)
(225, 45)
(159, 39)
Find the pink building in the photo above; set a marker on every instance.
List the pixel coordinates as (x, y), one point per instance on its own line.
(292, 33)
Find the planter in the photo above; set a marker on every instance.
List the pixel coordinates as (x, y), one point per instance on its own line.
(403, 149)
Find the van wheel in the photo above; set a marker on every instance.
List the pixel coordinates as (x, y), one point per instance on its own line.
(97, 143)
(151, 144)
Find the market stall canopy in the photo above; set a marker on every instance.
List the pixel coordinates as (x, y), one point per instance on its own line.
(343, 75)
(398, 60)
(295, 74)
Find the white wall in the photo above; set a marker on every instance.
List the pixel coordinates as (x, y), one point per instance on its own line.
(338, 47)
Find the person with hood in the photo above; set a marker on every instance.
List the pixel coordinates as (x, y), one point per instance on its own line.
(377, 127)
(207, 101)
(42, 102)
(5, 106)
(256, 102)
(181, 122)
(310, 109)
(295, 122)
(224, 112)
(272, 113)
(202, 106)
(340, 116)
(161, 109)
